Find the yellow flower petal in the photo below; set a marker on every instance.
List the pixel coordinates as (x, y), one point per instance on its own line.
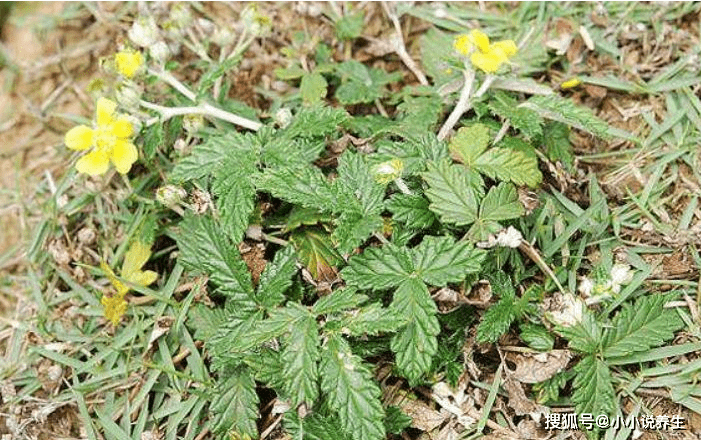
(123, 128)
(486, 62)
(143, 277)
(94, 163)
(462, 44)
(570, 83)
(135, 258)
(122, 288)
(105, 111)
(128, 63)
(124, 154)
(115, 307)
(506, 47)
(480, 39)
(79, 138)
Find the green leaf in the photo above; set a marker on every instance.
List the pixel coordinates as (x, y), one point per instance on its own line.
(317, 253)
(351, 391)
(396, 421)
(509, 165)
(640, 327)
(537, 337)
(208, 79)
(556, 137)
(204, 248)
(236, 404)
(338, 300)
(453, 192)
(277, 277)
(585, 336)
(420, 113)
(350, 26)
(440, 260)
(153, 138)
(353, 228)
(360, 84)
(593, 391)
(436, 56)
(412, 210)
(523, 119)
(254, 331)
(283, 151)
(235, 193)
(293, 72)
(498, 318)
(316, 121)
(501, 203)
(560, 109)
(319, 427)
(205, 321)
(378, 268)
(372, 319)
(355, 185)
(267, 366)
(299, 216)
(469, 143)
(300, 357)
(416, 343)
(313, 88)
(205, 158)
(304, 185)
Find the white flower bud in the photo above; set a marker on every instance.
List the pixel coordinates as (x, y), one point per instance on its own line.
(143, 32)
(570, 313)
(586, 286)
(509, 237)
(193, 123)
(621, 274)
(170, 195)
(223, 37)
(283, 117)
(255, 22)
(388, 171)
(180, 15)
(160, 52)
(128, 95)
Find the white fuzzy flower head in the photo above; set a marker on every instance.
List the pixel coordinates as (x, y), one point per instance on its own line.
(160, 52)
(621, 274)
(283, 117)
(570, 313)
(143, 32)
(509, 237)
(586, 286)
(388, 171)
(170, 195)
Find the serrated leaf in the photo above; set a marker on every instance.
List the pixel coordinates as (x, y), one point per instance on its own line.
(396, 421)
(293, 72)
(523, 119)
(283, 151)
(353, 228)
(204, 248)
(277, 277)
(350, 26)
(537, 337)
(236, 404)
(153, 139)
(252, 333)
(338, 300)
(501, 203)
(640, 327)
(420, 113)
(316, 121)
(313, 88)
(355, 184)
(372, 319)
(299, 216)
(267, 366)
(378, 268)
(208, 79)
(563, 110)
(360, 84)
(556, 137)
(509, 165)
(440, 260)
(300, 357)
(304, 185)
(351, 391)
(205, 158)
(436, 56)
(412, 210)
(416, 343)
(317, 427)
(452, 192)
(205, 321)
(498, 318)
(235, 194)
(469, 143)
(317, 253)
(585, 336)
(593, 391)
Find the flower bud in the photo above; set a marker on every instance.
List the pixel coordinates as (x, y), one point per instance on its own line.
(256, 23)
(283, 117)
(388, 171)
(180, 15)
(128, 95)
(570, 312)
(193, 123)
(223, 37)
(170, 195)
(143, 32)
(160, 52)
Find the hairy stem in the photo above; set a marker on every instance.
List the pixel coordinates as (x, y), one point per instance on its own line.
(204, 109)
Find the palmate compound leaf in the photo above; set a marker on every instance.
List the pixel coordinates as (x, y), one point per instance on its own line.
(525, 120)
(640, 327)
(236, 404)
(351, 390)
(454, 192)
(416, 343)
(378, 268)
(204, 248)
(440, 260)
(593, 391)
(412, 210)
(507, 164)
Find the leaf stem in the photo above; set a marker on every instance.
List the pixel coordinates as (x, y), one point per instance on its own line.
(204, 109)
(465, 101)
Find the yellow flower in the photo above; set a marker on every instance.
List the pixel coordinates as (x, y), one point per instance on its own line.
(137, 255)
(483, 55)
(110, 139)
(571, 83)
(128, 62)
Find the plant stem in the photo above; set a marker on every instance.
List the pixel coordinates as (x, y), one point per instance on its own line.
(204, 109)
(462, 106)
(172, 81)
